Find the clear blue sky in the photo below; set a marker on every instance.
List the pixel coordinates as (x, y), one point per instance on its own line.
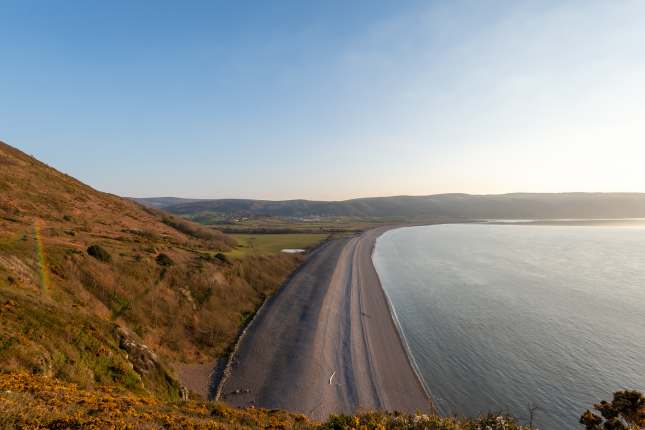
(328, 99)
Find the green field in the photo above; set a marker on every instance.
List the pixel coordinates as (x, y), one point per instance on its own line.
(266, 244)
(278, 225)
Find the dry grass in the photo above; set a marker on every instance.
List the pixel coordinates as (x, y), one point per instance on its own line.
(187, 312)
(27, 401)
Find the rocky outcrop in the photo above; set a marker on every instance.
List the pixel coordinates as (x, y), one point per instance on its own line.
(143, 359)
(189, 297)
(147, 364)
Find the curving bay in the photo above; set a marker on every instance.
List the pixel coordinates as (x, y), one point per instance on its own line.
(506, 316)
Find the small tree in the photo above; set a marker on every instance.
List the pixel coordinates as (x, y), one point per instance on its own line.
(625, 412)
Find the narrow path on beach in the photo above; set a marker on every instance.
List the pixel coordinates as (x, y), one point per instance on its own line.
(326, 342)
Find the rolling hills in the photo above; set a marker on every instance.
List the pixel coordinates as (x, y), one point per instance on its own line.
(440, 206)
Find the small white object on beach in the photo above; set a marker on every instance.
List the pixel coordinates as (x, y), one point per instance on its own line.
(293, 251)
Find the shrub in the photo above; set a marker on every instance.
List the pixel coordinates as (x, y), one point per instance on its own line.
(164, 260)
(625, 412)
(222, 257)
(399, 421)
(99, 253)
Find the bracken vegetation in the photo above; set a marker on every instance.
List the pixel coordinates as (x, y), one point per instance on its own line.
(97, 289)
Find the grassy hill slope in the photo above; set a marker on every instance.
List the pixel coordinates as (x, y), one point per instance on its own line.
(97, 289)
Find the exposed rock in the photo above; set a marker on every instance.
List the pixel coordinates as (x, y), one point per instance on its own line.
(143, 359)
(184, 392)
(189, 297)
(20, 271)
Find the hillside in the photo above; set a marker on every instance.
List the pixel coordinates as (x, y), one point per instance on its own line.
(162, 202)
(97, 289)
(441, 206)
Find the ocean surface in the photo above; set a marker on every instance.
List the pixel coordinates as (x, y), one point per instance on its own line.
(503, 317)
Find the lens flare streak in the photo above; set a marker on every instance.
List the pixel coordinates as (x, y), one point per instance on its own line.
(42, 258)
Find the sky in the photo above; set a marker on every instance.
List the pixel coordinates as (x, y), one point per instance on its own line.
(328, 99)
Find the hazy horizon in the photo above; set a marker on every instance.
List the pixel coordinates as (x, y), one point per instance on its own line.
(329, 100)
(385, 196)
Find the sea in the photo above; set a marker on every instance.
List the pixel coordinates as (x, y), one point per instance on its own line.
(528, 319)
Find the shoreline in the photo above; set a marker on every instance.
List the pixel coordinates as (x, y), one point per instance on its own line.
(397, 322)
(392, 310)
(325, 343)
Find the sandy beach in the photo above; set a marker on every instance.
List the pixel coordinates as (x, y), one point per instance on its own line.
(326, 342)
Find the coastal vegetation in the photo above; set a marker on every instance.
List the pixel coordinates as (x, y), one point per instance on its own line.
(626, 411)
(96, 289)
(30, 401)
(37, 402)
(40, 402)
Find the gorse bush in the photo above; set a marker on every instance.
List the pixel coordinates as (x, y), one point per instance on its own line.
(398, 421)
(36, 402)
(31, 401)
(99, 253)
(625, 412)
(164, 260)
(222, 257)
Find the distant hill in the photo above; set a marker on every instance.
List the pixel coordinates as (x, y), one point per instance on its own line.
(162, 202)
(98, 289)
(441, 206)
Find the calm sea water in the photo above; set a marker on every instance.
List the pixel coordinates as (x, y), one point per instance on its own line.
(499, 317)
